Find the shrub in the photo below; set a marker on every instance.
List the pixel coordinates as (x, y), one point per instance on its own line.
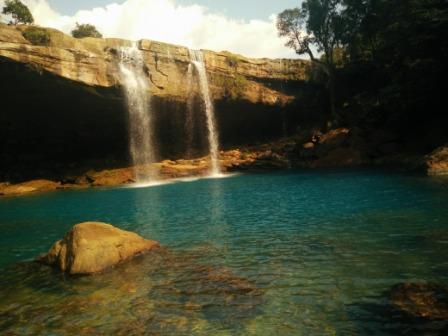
(37, 36)
(233, 86)
(86, 30)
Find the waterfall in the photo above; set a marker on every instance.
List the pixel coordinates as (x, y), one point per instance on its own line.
(135, 87)
(197, 59)
(189, 120)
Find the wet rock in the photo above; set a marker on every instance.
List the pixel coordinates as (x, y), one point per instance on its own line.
(437, 161)
(94, 247)
(421, 300)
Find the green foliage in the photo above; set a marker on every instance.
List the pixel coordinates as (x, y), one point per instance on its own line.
(232, 60)
(19, 12)
(389, 58)
(38, 36)
(233, 87)
(319, 24)
(86, 30)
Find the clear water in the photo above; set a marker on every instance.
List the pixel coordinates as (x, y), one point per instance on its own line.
(271, 254)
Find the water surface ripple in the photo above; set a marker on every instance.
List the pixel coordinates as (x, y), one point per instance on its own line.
(300, 253)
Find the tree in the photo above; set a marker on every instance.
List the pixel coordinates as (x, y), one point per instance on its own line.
(317, 24)
(19, 12)
(85, 30)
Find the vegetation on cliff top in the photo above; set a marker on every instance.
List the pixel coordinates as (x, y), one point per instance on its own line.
(36, 35)
(86, 30)
(18, 11)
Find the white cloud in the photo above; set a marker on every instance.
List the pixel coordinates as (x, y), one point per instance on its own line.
(163, 20)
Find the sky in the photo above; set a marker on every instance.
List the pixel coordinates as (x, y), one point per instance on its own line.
(246, 27)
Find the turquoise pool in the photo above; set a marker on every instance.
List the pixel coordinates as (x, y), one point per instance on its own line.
(297, 253)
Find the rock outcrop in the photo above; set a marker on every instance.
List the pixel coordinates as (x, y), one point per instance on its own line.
(437, 161)
(64, 111)
(95, 61)
(92, 247)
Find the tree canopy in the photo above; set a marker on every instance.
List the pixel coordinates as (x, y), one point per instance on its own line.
(86, 30)
(318, 24)
(19, 12)
(388, 57)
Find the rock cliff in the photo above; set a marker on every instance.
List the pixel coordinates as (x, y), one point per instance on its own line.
(63, 110)
(95, 61)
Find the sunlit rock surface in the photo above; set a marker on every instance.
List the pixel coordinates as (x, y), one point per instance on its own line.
(94, 247)
(437, 161)
(94, 62)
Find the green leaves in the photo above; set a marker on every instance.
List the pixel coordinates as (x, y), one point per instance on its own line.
(86, 30)
(19, 12)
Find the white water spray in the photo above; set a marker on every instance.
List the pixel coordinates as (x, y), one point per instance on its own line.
(197, 59)
(135, 86)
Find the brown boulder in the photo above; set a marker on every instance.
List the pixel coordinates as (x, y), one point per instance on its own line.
(437, 161)
(94, 247)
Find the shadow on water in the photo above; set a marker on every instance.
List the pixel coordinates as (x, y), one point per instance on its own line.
(382, 316)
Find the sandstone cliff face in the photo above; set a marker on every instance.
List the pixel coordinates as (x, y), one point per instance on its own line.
(64, 113)
(95, 62)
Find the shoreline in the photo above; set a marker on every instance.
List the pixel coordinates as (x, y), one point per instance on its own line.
(335, 149)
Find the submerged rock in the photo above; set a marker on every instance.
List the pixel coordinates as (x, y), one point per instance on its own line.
(94, 247)
(437, 161)
(421, 300)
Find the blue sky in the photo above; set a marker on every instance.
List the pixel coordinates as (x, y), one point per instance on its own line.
(237, 9)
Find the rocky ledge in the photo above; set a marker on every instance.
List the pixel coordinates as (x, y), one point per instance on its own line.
(92, 247)
(95, 62)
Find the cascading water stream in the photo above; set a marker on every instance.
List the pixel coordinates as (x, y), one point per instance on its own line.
(135, 86)
(189, 120)
(197, 60)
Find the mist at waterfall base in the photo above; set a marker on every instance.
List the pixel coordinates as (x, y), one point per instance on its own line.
(322, 248)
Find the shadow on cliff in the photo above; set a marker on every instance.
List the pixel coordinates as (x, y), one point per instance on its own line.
(53, 127)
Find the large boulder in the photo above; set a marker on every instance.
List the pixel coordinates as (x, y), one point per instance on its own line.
(94, 247)
(437, 161)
